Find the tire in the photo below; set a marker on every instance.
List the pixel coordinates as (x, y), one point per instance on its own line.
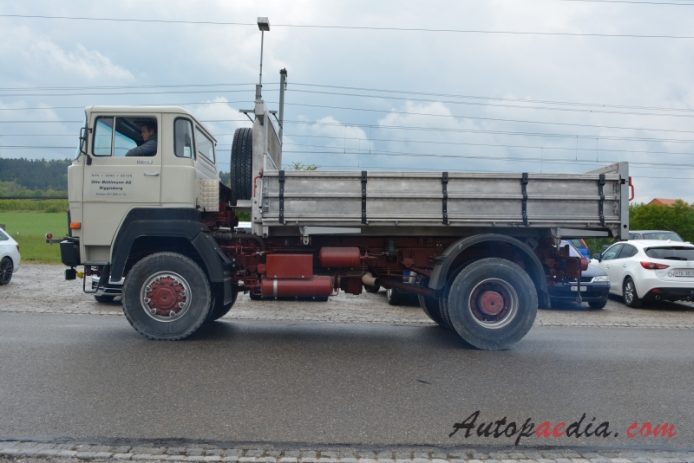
(241, 173)
(393, 296)
(631, 298)
(432, 308)
(104, 299)
(6, 270)
(492, 304)
(218, 308)
(177, 288)
(598, 304)
(372, 289)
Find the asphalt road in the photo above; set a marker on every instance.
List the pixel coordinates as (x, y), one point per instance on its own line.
(94, 377)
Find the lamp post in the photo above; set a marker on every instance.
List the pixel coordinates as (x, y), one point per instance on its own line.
(263, 25)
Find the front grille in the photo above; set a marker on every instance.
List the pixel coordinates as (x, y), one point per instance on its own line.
(583, 280)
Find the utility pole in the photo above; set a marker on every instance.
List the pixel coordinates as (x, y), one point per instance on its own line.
(263, 25)
(283, 87)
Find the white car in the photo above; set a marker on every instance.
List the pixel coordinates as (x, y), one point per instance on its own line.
(9, 257)
(647, 270)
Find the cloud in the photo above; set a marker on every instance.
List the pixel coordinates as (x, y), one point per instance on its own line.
(40, 55)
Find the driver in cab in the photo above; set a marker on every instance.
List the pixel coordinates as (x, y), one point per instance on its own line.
(149, 146)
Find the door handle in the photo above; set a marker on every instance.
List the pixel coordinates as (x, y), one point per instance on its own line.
(151, 174)
(624, 265)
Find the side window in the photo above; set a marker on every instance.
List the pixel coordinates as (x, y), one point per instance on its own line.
(133, 136)
(612, 252)
(183, 138)
(204, 144)
(627, 251)
(103, 136)
(3, 237)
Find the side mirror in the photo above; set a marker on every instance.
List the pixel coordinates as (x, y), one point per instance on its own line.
(597, 256)
(83, 144)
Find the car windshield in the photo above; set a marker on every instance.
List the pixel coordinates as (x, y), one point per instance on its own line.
(664, 236)
(672, 253)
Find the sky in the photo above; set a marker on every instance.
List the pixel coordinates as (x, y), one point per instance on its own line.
(552, 86)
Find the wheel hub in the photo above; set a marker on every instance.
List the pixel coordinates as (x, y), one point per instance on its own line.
(165, 296)
(490, 302)
(493, 303)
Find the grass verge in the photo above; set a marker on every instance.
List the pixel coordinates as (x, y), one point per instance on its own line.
(29, 230)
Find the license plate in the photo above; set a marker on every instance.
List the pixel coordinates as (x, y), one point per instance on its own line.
(575, 288)
(683, 273)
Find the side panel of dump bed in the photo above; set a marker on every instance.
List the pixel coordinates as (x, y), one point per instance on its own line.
(590, 201)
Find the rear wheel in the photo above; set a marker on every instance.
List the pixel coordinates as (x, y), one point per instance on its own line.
(166, 296)
(393, 296)
(492, 304)
(631, 299)
(432, 308)
(6, 270)
(242, 164)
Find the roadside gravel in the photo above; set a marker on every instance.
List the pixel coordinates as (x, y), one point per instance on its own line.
(42, 289)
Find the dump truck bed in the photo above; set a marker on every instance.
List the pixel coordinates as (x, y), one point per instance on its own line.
(383, 201)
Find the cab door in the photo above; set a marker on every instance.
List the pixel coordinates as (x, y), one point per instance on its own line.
(116, 181)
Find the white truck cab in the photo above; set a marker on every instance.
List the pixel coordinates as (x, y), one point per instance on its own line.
(114, 176)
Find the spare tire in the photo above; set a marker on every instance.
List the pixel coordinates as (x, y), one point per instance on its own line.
(241, 174)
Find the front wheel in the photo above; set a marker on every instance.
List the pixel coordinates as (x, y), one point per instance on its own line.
(218, 308)
(631, 299)
(598, 304)
(166, 296)
(492, 304)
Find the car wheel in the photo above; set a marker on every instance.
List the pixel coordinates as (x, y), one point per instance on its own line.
(598, 304)
(631, 299)
(104, 299)
(218, 308)
(6, 270)
(372, 289)
(166, 296)
(393, 296)
(492, 304)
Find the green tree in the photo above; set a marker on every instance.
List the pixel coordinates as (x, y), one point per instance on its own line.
(298, 165)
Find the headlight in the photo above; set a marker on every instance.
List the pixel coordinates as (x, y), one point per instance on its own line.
(603, 279)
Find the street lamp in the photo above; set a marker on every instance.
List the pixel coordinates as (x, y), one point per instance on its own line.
(263, 26)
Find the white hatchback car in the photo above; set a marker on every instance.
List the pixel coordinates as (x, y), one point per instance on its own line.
(646, 270)
(9, 257)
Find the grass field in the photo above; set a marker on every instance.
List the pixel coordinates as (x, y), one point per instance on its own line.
(29, 230)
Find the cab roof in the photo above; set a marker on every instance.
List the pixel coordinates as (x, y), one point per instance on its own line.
(147, 110)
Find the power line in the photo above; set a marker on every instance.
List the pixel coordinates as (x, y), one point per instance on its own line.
(169, 104)
(477, 97)
(122, 93)
(491, 158)
(485, 144)
(424, 129)
(429, 155)
(633, 2)
(340, 27)
(492, 104)
(393, 112)
(107, 87)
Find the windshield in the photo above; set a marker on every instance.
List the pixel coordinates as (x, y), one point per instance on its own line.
(672, 253)
(664, 236)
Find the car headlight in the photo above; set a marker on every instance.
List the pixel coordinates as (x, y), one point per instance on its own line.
(602, 279)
